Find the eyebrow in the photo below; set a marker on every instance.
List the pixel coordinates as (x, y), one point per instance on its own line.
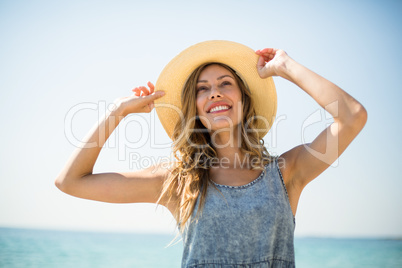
(219, 78)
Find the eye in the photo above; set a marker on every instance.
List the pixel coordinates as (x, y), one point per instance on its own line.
(201, 88)
(226, 83)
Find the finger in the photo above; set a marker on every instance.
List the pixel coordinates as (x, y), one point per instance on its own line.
(266, 58)
(267, 50)
(151, 87)
(145, 91)
(261, 62)
(148, 101)
(137, 91)
(158, 94)
(261, 51)
(150, 98)
(267, 53)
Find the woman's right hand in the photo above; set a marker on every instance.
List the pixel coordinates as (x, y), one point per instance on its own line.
(142, 100)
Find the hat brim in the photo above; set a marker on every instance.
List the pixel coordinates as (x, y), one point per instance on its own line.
(239, 57)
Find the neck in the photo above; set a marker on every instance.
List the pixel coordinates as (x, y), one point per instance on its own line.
(227, 146)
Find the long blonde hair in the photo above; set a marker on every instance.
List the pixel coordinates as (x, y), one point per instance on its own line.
(193, 150)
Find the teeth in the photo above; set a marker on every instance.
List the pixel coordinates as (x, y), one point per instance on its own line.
(219, 108)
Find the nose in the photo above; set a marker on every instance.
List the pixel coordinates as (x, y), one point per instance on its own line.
(215, 93)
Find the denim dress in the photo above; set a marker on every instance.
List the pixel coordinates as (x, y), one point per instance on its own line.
(242, 226)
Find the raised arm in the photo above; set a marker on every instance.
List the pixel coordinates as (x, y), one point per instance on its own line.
(305, 162)
(77, 178)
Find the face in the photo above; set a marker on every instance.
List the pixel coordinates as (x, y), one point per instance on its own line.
(218, 98)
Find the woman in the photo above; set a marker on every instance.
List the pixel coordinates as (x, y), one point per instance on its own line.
(233, 202)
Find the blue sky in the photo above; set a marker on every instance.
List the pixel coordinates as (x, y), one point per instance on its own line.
(63, 62)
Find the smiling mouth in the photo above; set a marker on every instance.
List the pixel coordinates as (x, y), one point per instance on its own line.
(220, 108)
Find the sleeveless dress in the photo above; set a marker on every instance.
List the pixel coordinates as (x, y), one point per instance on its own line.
(242, 226)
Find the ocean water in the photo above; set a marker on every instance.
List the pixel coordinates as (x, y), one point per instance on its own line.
(46, 248)
(67, 249)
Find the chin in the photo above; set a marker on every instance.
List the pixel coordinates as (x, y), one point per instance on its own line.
(220, 127)
(217, 123)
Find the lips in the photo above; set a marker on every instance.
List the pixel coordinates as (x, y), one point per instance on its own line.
(218, 106)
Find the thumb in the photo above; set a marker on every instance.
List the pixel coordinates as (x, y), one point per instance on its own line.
(261, 67)
(147, 102)
(156, 95)
(260, 63)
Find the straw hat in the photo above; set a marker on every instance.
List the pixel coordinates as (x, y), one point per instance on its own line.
(239, 57)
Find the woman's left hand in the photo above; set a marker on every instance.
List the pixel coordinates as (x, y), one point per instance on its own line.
(272, 62)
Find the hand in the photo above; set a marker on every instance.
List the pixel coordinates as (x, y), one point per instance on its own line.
(142, 100)
(272, 62)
